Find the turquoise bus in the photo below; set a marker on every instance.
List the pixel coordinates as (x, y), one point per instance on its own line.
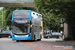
(26, 25)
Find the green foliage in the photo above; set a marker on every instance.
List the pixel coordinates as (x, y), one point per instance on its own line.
(39, 2)
(4, 21)
(48, 16)
(60, 9)
(51, 20)
(0, 20)
(52, 11)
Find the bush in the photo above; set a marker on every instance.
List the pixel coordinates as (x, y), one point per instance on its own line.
(68, 39)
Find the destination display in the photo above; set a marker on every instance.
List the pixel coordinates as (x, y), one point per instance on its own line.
(24, 21)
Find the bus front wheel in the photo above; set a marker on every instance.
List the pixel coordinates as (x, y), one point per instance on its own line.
(17, 40)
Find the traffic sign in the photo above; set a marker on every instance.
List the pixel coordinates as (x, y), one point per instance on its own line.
(61, 25)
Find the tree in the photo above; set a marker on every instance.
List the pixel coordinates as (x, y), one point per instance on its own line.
(62, 9)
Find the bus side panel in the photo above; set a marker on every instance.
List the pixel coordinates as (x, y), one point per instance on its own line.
(33, 32)
(39, 32)
(36, 25)
(36, 31)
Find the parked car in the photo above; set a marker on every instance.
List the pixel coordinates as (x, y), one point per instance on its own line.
(5, 34)
(53, 35)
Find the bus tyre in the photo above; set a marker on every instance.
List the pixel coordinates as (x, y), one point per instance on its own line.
(40, 38)
(17, 40)
(34, 37)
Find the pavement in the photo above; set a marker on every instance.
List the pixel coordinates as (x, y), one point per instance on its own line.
(69, 42)
(59, 40)
(44, 46)
(48, 44)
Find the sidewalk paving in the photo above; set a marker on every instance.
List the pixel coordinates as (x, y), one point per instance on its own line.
(70, 42)
(44, 46)
(59, 40)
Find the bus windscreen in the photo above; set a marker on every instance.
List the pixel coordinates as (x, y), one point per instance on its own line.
(21, 22)
(21, 29)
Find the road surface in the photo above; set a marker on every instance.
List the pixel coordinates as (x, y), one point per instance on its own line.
(8, 44)
(44, 44)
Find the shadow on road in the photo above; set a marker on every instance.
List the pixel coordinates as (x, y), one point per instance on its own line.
(27, 41)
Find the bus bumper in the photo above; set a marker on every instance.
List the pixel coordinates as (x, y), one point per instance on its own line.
(21, 38)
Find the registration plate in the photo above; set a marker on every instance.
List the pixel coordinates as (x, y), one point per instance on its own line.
(24, 36)
(21, 21)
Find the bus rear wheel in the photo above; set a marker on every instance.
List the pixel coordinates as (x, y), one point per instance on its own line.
(34, 38)
(40, 38)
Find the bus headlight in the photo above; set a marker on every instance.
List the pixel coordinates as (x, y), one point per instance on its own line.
(15, 35)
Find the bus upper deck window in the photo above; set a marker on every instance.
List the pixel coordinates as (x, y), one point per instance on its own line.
(37, 14)
(40, 17)
(34, 13)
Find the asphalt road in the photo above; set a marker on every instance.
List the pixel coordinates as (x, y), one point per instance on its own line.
(8, 44)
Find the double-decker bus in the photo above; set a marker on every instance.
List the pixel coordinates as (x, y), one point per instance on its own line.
(26, 25)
